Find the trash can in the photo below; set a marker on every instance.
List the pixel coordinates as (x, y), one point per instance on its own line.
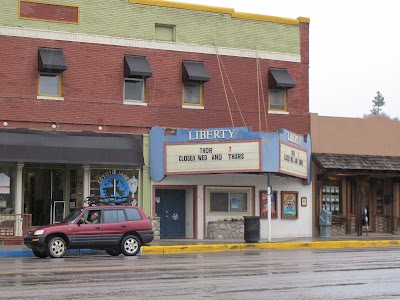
(325, 221)
(251, 229)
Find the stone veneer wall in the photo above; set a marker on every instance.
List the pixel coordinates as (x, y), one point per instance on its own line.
(383, 224)
(338, 226)
(155, 222)
(223, 230)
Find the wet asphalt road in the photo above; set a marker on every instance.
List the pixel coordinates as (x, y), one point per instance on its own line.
(278, 274)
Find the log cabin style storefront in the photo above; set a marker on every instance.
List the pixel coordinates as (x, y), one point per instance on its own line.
(356, 166)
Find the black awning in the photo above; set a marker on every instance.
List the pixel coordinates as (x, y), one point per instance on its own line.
(136, 66)
(194, 71)
(23, 145)
(51, 60)
(280, 79)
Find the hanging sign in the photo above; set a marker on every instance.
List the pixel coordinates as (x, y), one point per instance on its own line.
(4, 184)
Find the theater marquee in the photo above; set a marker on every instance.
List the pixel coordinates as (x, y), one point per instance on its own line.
(212, 157)
(293, 161)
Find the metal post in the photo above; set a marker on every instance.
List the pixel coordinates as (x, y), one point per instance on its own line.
(86, 183)
(269, 192)
(18, 200)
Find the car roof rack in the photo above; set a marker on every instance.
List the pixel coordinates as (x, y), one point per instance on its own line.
(109, 200)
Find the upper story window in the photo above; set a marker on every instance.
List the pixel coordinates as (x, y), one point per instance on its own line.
(278, 100)
(193, 93)
(165, 32)
(136, 71)
(279, 81)
(50, 84)
(194, 74)
(51, 64)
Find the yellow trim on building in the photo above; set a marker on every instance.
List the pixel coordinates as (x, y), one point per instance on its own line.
(265, 18)
(303, 20)
(222, 10)
(172, 4)
(50, 3)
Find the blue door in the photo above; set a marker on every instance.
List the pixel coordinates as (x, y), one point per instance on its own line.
(171, 210)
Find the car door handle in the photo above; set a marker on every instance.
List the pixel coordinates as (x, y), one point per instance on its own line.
(97, 228)
(123, 226)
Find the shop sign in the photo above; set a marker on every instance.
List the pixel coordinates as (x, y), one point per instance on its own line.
(294, 138)
(293, 161)
(212, 157)
(118, 185)
(4, 184)
(213, 134)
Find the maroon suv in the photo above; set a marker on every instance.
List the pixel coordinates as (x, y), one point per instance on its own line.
(116, 229)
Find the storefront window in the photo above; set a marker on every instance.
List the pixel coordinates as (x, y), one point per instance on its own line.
(115, 183)
(331, 197)
(228, 200)
(7, 190)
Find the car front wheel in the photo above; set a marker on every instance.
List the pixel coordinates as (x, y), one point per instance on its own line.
(130, 245)
(57, 247)
(39, 254)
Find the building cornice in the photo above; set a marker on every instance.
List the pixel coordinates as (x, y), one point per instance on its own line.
(147, 44)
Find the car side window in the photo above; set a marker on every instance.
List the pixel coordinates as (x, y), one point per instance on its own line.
(92, 216)
(114, 216)
(133, 214)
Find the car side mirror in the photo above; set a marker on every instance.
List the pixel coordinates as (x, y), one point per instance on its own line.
(81, 221)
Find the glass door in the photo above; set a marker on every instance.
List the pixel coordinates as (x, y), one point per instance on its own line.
(42, 188)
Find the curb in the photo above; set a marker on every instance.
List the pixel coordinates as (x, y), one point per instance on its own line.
(28, 252)
(147, 250)
(178, 249)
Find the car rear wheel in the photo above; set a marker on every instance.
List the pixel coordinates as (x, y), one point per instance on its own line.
(39, 254)
(57, 247)
(113, 252)
(130, 245)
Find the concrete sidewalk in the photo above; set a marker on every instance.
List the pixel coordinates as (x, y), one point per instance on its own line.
(198, 246)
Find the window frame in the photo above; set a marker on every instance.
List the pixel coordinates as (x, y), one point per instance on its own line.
(228, 189)
(201, 100)
(285, 100)
(52, 74)
(136, 79)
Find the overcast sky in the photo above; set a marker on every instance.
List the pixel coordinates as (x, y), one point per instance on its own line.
(354, 50)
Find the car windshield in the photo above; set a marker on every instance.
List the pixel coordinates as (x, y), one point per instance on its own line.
(73, 215)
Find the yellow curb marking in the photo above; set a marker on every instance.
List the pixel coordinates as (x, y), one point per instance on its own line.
(260, 246)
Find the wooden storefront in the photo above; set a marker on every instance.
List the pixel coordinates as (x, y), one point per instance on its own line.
(346, 184)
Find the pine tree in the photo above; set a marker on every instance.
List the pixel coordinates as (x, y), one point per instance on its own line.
(378, 102)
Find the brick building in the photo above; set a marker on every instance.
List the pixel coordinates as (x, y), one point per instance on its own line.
(83, 83)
